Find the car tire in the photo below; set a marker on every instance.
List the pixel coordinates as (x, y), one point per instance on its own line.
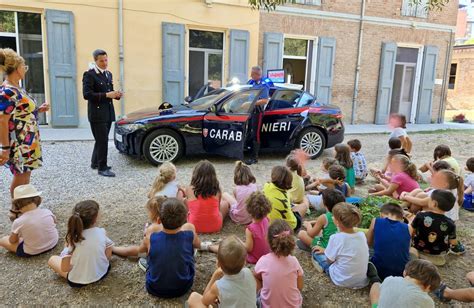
(163, 145)
(312, 141)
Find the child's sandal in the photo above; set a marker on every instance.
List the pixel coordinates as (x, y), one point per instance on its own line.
(439, 293)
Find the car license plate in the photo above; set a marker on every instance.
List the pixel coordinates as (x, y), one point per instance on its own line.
(118, 137)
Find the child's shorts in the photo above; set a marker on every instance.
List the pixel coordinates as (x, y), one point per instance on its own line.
(80, 285)
(20, 252)
(299, 221)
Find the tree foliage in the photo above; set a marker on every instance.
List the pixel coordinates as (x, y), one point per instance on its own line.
(269, 5)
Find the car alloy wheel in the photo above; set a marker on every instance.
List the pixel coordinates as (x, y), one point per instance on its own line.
(312, 143)
(164, 148)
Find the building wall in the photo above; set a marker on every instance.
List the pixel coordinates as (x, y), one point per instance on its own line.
(462, 96)
(344, 26)
(96, 26)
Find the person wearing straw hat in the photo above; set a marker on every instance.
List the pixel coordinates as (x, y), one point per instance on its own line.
(34, 231)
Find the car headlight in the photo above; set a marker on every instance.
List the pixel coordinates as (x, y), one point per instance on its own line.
(132, 127)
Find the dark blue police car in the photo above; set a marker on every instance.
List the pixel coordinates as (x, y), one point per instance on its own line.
(219, 122)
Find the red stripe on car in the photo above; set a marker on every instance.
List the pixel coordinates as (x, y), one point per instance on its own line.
(227, 118)
(286, 111)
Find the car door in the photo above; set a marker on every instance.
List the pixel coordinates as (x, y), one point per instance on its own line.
(225, 127)
(282, 116)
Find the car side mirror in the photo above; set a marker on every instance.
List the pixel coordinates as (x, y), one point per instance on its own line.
(188, 99)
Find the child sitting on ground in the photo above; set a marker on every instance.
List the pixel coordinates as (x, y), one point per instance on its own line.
(318, 185)
(432, 231)
(442, 152)
(277, 193)
(385, 174)
(165, 183)
(203, 198)
(443, 179)
(86, 257)
(256, 242)
(232, 284)
(153, 209)
(346, 257)
(390, 239)
(245, 184)
(279, 274)
(360, 164)
(337, 174)
(419, 278)
(34, 232)
(170, 260)
(297, 191)
(343, 157)
(403, 179)
(318, 232)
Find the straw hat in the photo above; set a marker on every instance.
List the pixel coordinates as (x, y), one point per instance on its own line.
(25, 191)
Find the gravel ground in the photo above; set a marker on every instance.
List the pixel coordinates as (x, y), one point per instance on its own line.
(66, 179)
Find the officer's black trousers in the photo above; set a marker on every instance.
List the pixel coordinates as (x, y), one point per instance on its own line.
(100, 131)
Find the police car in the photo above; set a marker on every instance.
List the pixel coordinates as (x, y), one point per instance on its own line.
(219, 123)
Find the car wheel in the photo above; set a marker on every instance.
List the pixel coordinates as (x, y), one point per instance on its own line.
(312, 141)
(163, 145)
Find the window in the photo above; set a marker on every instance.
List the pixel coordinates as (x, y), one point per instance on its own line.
(452, 75)
(240, 102)
(415, 9)
(306, 100)
(284, 99)
(308, 2)
(205, 60)
(295, 47)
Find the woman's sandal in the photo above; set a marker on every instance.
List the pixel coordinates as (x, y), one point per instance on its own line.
(439, 292)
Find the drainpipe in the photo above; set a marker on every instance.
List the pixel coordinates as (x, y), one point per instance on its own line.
(444, 89)
(121, 58)
(355, 96)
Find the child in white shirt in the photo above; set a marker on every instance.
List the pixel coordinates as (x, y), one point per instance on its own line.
(346, 256)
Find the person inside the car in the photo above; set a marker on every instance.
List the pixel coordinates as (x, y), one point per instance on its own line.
(257, 82)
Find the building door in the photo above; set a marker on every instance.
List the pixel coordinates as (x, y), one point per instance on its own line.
(404, 82)
(205, 60)
(22, 33)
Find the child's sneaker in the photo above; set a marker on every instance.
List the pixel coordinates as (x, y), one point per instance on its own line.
(143, 264)
(458, 249)
(372, 273)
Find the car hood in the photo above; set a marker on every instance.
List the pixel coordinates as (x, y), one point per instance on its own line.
(146, 115)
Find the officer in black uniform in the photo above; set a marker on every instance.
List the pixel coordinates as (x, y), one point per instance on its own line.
(98, 90)
(257, 82)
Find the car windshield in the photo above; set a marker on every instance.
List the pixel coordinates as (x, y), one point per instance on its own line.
(207, 101)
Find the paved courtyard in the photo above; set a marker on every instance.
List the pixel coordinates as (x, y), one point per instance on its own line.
(66, 179)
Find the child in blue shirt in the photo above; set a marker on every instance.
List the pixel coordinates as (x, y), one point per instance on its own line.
(170, 271)
(391, 239)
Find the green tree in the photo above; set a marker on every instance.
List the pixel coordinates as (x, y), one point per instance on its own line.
(269, 5)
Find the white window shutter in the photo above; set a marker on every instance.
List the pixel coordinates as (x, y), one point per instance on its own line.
(422, 10)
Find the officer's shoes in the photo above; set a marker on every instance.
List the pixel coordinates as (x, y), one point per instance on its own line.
(251, 161)
(106, 173)
(96, 167)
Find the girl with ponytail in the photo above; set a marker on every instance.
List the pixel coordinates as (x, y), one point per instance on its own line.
(85, 259)
(279, 273)
(165, 183)
(443, 179)
(404, 178)
(245, 185)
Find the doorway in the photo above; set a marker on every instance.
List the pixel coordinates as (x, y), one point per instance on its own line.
(22, 32)
(205, 61)
(405, 78)
(295, 60)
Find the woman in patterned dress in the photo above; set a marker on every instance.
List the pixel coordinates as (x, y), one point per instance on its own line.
(19, 135)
